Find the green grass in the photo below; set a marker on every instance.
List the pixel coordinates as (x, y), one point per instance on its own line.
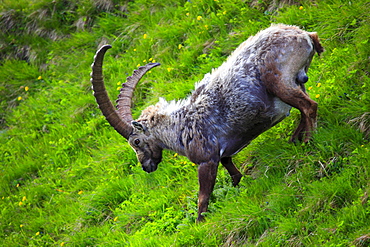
(68, 179)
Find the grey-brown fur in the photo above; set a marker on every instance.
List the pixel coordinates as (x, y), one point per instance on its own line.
(248, 94)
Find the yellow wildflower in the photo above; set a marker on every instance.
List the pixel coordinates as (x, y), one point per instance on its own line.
(115, 219)
(145, 36)
(187, 14)
(144, 61)
(206, 26)
(199, 18)
(309, 88)
(319, 84)
(24, 198)
(20, 225)
(138, 65)
(179, 46)
(37, 233)
(224, 13)
(317, 95)
(17, 185)
(80, 192)
(300, 7)
(134, 49)
(19, 98)
(169, 69)
(153, 61)
(62, 243)
(26, 88)
(150, 59)
(39, 78)
(20, 203)
(119, 83)
(118, 88)
(175, 155)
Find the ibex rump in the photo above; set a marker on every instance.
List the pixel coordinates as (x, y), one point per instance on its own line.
(248, 94)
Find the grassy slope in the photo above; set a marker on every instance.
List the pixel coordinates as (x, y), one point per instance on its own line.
(69, 179)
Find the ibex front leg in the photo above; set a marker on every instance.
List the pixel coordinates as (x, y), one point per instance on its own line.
(207, 173)
(235, 174)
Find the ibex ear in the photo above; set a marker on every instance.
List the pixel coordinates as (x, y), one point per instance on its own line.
(138, 127)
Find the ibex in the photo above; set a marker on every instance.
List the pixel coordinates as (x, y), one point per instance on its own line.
(249, 93)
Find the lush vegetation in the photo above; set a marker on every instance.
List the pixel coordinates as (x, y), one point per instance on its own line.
(68, 179)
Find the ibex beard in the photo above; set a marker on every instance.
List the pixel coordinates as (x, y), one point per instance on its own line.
(253, 90)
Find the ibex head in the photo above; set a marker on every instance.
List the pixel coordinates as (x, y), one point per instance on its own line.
(148, 151)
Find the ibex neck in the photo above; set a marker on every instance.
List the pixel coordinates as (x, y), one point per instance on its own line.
(163, 122)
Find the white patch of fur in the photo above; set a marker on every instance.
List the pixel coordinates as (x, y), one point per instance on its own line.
(167, 108)
(206, 79)
(282, 110)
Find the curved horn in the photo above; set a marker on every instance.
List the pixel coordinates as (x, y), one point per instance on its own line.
(102, 97)
(125, 97)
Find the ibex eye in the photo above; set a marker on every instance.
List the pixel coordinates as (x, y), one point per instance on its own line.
(137, 142)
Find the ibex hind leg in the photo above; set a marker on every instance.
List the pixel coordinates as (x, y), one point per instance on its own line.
(308, 109)
(233, 171)
(299, 133)
(293, 95)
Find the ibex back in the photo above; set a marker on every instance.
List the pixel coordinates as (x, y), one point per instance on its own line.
(248, 94)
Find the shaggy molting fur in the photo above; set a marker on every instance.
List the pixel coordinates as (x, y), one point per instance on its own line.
(251, 92)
